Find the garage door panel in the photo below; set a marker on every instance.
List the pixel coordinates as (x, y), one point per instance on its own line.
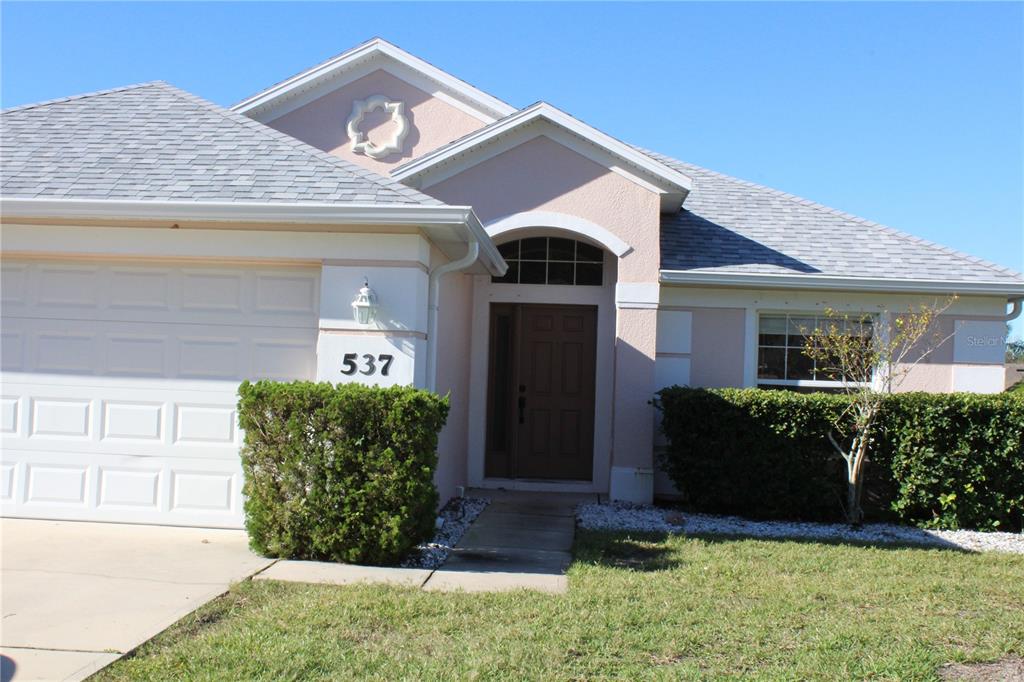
(157, 350)
(63, 349)
(212, 290)
(6, 482)
(135, 354)
(140, 289)
(49, 483)
(287, 294)
(120, 384)
(131, 421)
(62, 418)
(12, 350)
(228, 295)
(61, 485)
(147, 419)
(9, 413)
(204, 424)
(211, 357)
(135, 488)
(13, 285)
(282, 358)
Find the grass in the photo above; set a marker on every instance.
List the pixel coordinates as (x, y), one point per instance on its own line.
(638, 607)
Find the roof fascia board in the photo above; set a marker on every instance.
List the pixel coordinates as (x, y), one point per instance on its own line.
(287, 104)
(423, 165)
(460, 219)
(831, 282)
(490, 107)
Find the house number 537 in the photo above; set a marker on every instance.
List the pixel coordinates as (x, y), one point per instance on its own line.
(371, 364)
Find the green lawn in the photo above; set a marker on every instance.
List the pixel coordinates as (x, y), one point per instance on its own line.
(638, 607)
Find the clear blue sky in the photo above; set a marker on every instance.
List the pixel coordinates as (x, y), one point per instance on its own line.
(908, 114)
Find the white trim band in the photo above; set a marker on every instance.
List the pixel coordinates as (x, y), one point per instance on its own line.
(640, 295)
(460, 220)
(559, 221)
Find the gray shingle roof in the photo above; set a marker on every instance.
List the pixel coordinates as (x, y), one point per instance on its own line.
(154, 141)
(731, 226)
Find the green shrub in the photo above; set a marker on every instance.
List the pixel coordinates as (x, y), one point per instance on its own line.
(754, 453)
(942, 461)
(339, 473)
(957, 459)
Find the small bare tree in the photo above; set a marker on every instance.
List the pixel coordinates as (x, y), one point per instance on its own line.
(870, 355)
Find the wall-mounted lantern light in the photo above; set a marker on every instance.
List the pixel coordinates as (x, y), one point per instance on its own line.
(364, 306)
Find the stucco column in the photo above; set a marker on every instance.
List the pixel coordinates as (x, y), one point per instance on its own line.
(632, 470)
(391, 351)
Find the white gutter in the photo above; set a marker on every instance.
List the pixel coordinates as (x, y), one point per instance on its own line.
(831, 282)
(235, 211)
(1015, 311)
(433, 305)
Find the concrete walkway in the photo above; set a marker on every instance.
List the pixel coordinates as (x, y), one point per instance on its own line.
(521, 540)
(76, 596)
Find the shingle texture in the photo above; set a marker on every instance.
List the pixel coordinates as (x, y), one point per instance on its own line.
(154, 141)
(735, 227)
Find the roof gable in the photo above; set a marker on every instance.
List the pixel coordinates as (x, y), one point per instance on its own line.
(544, 119)
(156, 142)
(426, 121)
(360, 61)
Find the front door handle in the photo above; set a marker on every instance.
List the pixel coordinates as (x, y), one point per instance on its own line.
(522, 408)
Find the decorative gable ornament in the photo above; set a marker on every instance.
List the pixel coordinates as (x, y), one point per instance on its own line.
(360, 145)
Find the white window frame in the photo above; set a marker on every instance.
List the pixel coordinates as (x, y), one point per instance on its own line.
(804, 383)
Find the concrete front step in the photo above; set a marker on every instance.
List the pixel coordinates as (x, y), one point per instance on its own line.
(495, 581)
(489, 536)
(328, 573)
(507, 560)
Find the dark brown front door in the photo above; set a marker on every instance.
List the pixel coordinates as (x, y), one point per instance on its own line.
(541, 391)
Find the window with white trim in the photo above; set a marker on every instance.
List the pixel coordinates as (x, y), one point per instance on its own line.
(551, 260)
(781, 341)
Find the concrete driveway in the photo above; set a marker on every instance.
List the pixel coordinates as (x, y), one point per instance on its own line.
(75, 596)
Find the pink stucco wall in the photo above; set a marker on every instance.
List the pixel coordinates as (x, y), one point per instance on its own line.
(454, 329)
(928, 377)
(717, 347)
(543, 175)
(633, 438)
(322, 122)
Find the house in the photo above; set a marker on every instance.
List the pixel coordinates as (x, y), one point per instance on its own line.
(376, 219)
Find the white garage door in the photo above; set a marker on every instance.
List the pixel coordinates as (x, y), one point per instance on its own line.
(119, 380)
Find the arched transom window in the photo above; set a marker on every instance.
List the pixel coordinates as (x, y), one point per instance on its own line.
(551, 260)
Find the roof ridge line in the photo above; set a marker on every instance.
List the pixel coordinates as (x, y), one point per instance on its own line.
(95, 93)
(263, 129)
(906, 236)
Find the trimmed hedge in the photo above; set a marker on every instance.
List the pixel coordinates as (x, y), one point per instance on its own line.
(958, 459)
(940, 460)
(339, 473)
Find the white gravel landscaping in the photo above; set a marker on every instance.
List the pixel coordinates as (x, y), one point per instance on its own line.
(627, 517)
(458, 514)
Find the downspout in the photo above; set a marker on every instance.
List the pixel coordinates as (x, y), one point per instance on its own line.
(433, 298)
(1018, 306)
